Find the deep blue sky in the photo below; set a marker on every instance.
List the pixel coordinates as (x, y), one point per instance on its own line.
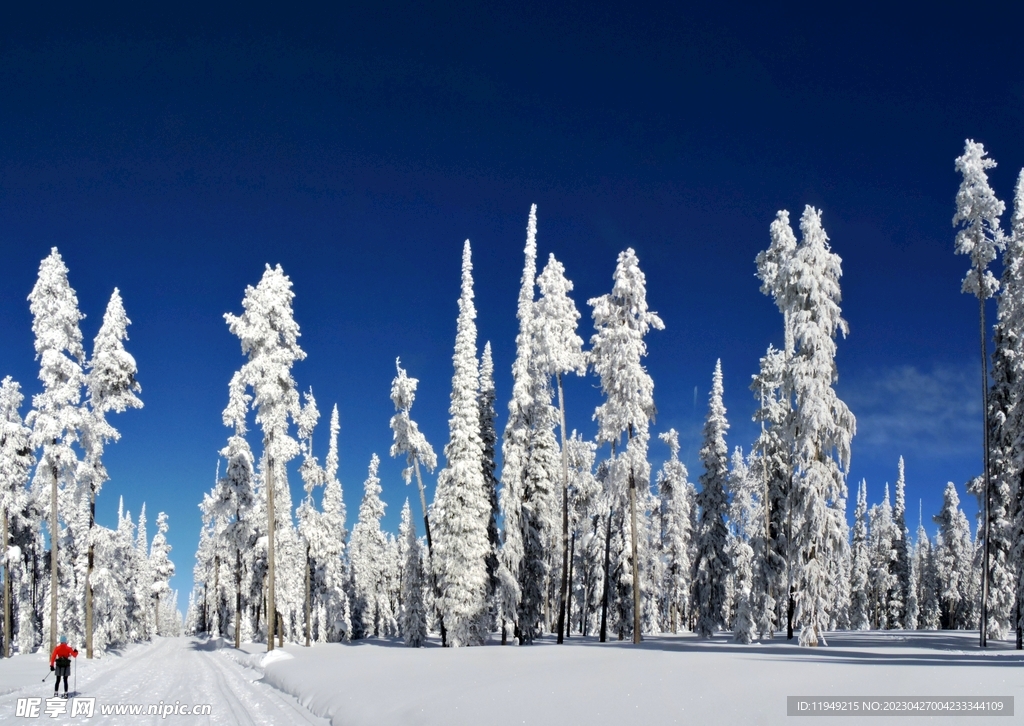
(173, 153)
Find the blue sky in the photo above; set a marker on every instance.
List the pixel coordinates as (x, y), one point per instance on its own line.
(173, 153)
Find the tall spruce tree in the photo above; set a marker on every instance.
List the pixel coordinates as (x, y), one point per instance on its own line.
(899, 599)
(414, 617)
(371, 614)
(559, 351)
(860, 610)
(461, 508)
(822, 424)
(16, 462)
(269, 337)
(979, 236)
(1006, 432)
(954, 552)
(56, 417)
(678, 500)
(112, 386)
(489, 439)
(711, 567)
(621, 320)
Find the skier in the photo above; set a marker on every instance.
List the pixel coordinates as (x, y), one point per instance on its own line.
(63, 654)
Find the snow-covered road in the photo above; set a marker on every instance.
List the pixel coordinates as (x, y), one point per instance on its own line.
(170, 671)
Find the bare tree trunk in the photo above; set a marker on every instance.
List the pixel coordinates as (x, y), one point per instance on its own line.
(54, 536)
(238, 597)
(988, 491)
(88, 576)
(636, 562)
(565, 514)
(307, 596)
(567, 610)
(430, 551)
(156, 615)
(7, 586)
(216, 596)
(607, 565)
(271, 527)
(280, 630)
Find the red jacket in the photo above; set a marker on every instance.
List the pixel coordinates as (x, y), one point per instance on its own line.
(63, 650)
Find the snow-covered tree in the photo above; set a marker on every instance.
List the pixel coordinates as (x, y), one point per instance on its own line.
(559, 351)
(954, 552)
(621, 320)
(414, 617)
(16, 462)
(161, 570)
(489, 439)
(770, 468)
(980, 237)
(822, 425)
(882, 557)
(56, 417)
(743, 515)
(678, 500)
(371, 612)
(928, 585)
(529, 470)
(112, 386)
(1006, 431)
(711, 566)
(333, 615)
(899, 601)
(269, 337)
(461, 507)
(860, 608)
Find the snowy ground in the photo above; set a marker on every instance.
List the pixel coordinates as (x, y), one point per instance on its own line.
(665, 680)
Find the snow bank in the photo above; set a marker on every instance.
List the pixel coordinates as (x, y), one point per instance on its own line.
(665, 680)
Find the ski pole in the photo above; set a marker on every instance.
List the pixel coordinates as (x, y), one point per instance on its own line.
(76, 675)
(46, 676)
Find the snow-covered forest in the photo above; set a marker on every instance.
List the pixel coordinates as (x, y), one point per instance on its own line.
(541, 531)
(62, 572)
(562, 535)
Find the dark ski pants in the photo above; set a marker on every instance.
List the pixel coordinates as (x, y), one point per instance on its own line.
(64, 671)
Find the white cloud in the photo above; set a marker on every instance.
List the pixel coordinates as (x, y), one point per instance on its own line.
(934, 414)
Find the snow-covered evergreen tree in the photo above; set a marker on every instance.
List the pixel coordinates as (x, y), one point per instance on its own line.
(530, 471)
(414, 617)
(559, 351)
(711, 567)
(899, 599)
(489, 439)
(269, 337)
(953, 561)
(822, 424)
(461, 507)
(1006, 430)
(371, 612)
(882, 557)
(56, 419)
(112, 386)
(979, 236)
(161, 570)
(621, 320)
(16, 462)
(516, 442)
(860, 609)
(929, 587)
(678, 500)
(770, 468)
(334, 616)
(743, 516)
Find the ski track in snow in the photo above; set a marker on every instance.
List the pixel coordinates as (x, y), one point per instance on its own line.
(168, 670)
